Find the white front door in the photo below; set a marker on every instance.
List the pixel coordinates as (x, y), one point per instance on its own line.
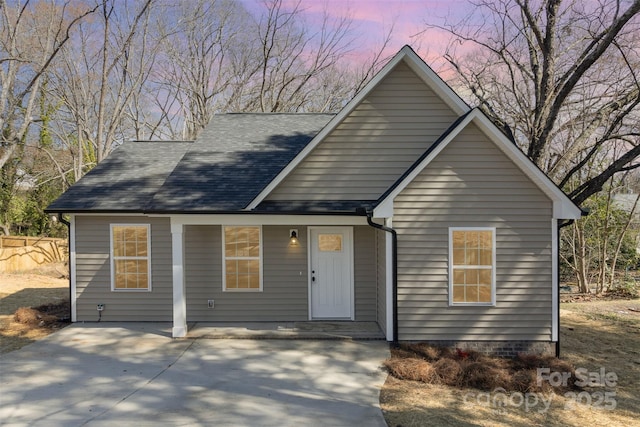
(331, 280)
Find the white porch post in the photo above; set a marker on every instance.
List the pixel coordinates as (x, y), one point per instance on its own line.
(72, 269)
(555, 248)
(179, 301)
(389, 279)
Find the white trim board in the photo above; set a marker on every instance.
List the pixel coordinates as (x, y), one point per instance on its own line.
(389, 280)
(244, 219)
(563, 207)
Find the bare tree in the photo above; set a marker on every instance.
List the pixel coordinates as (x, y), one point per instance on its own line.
(32, 34)
(560, 77)
(31, 37)
(117, 55)
(194, 72)
(290, 59)
(626, 226)
(593, 247)
(98, 81)
(219, 58)
(155, 68)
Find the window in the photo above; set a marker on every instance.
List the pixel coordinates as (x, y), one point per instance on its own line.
(472, 263)
(130, 257)
(330, 242)
(242, 259)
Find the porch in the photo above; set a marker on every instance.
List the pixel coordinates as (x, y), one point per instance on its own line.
(335, 330)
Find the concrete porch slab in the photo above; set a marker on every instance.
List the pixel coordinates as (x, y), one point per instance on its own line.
(336, 330)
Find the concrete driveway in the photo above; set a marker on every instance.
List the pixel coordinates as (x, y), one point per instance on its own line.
(135, 374)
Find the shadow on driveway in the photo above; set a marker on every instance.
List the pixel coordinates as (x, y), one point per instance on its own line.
(135, 374)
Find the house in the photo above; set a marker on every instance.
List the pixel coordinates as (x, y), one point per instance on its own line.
(407, 208)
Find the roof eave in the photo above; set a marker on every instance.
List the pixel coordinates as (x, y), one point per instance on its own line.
(195, 212)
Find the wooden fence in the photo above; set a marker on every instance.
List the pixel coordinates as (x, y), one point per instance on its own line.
(21, 253)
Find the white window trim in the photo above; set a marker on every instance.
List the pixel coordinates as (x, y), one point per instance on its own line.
(224, 258)
(493, 266)
(113, 258)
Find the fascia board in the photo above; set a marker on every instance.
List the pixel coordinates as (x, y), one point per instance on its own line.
(439, 86)
(563, 207)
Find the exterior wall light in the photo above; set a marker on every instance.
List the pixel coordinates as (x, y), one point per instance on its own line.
(293, 237)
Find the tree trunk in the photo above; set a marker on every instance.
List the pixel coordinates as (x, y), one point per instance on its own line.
(581, 260)
(620, 240)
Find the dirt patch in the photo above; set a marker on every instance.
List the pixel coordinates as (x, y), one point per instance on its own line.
(40, 298)
(616, 295)
(622, 311)
(594, 336)
(48, 315)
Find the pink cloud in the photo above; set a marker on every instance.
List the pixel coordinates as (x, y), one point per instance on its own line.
(372, 20)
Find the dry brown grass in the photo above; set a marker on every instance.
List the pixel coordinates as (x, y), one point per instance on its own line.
(440, 365)
(33, 317)
(414, 370)
(593, 335)
(48, 315)
(43, 293)
(448, 370)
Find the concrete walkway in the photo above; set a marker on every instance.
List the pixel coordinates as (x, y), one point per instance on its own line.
(135, 374)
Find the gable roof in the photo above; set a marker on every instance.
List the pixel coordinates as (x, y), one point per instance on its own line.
(422, 70)
(563, 207)
(241, 158)
(223, 170)
(233, 159)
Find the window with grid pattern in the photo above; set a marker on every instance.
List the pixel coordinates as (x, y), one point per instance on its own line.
(130, 257)
(242, 259)
(472, 266)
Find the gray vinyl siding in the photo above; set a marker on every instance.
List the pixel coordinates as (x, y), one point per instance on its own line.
(285, 277)
(473, 184)
(93, 272)
(365, 273)
(381, 251)
(374, 145)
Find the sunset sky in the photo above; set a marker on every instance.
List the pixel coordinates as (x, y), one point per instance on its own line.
(374, 18)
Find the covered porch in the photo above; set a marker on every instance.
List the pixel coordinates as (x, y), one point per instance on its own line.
(316, 330)
(288, 301)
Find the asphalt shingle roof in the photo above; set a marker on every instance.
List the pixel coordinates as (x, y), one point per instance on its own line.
(231, 162)
(126, 180)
